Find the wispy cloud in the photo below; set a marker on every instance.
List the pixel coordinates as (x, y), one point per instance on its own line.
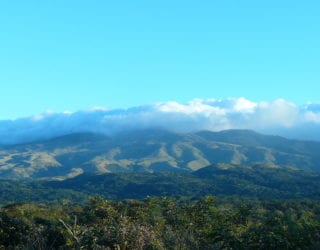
(277, 117)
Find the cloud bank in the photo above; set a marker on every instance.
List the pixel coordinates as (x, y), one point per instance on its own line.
(278, 117)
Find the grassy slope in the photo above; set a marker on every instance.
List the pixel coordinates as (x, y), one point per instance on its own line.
(151, 151)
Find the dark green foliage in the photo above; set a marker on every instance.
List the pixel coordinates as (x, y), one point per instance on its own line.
(162, 223)
(258, 181)
(15, 191)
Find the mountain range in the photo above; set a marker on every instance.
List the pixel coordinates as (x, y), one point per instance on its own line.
(152, 151)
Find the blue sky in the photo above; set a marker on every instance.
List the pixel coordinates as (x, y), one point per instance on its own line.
(72, 55)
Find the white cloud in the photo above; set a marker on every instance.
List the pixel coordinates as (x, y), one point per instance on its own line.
(196, 106)
(97, 108)
(277, 117)
(276, 113)
(244, 105)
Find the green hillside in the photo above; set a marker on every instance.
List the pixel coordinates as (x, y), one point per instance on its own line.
(252, 181)
(151, 151)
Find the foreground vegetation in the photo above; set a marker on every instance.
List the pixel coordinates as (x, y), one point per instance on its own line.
(162, 223)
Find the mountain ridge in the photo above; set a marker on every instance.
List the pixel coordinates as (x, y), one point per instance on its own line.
(152, 150)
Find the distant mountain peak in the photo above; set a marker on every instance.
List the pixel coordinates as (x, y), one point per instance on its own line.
(153, 151)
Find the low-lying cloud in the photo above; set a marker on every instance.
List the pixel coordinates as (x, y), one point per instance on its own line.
(278, 117)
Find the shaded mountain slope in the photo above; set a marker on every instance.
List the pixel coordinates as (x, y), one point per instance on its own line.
(252, 181)
(259, 180)
(151, 151)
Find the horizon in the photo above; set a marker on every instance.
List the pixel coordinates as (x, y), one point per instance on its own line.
(71, 56)
(279, 117)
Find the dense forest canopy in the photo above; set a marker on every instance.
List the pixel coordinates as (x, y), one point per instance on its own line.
(162, 223)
